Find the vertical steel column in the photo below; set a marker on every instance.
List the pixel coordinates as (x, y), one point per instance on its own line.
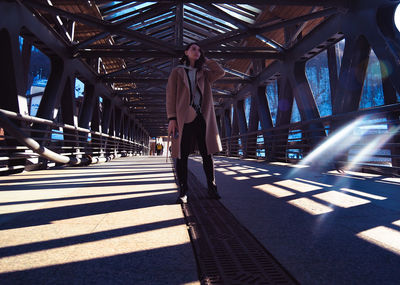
(126, 127)
(69, 114)
(9, 89)
(108, 107)
(235, 132)
(307, 107)
(264, 115)
(285, 106)
(8, 81)
(95, 125)
(118, 121)
(141, 140)
(23, 100)
(390, 97)
(26, 58)
(88, 105)
(351, 80)
(130, 135)
(218, 118)
(352, 75)
(251, 149)
(251, 146)
(228, 131)
(86, 115)
(53, 91)
(135, 138)
(333, 71)
(241, 116)
(112, 144)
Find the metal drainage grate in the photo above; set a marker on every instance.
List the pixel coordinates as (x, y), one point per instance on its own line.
(226, 252)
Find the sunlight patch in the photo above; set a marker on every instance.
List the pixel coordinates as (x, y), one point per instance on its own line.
(310, 206)
(372, 196)
(384, 237)
(392, 179)
(237, 168)
(241, 178)
(274, 190)
(84, 251)
(221, 169)
(341, 199)
(314, 182)
(298, 186)
(397, 223)
(229, 173)
(261, 175)
(248, 171)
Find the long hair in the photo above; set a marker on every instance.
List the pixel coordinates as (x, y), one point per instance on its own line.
(199, 63)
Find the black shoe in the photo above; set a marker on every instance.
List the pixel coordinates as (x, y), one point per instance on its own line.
(213, 192)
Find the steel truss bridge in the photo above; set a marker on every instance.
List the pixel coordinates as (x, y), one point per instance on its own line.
(122, 51)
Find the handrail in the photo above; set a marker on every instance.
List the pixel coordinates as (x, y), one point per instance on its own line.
(100, 144)
(21, 117)
(33, 145)
(292, 142)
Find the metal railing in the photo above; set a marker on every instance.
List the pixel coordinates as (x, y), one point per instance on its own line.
(372, 140)
(28, 142)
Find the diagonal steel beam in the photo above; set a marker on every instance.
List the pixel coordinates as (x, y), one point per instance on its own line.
(223, 15)
(230, 19)
(107, 27)
(322, 33)
(154, 11)
(240, 34)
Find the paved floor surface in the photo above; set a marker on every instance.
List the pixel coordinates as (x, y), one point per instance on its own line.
(111, 223)
(323, 227)
(116, 223)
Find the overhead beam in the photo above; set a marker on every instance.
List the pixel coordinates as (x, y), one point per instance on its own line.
(131, 67)
(165, 80)
(337, 3)
(95, 53)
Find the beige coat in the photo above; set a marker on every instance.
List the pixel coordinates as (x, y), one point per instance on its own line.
(178, 103)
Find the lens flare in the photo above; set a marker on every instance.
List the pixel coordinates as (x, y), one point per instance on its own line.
(386, 68)
(370, 149)
(337, 143)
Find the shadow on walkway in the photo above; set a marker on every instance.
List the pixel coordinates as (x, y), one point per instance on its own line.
(114, 223)
(325, 228)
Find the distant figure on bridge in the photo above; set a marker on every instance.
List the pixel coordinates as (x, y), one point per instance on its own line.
(159, 149)
(191, 115)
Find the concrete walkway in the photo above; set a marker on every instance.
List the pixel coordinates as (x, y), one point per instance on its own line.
(112, 223)
(116, 223)
(324, 228)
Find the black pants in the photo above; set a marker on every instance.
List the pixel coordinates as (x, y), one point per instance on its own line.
(194, 132)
